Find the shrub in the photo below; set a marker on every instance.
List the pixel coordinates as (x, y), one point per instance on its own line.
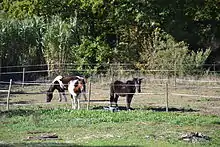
(164, 53)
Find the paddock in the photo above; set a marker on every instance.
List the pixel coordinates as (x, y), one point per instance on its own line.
(158, 94)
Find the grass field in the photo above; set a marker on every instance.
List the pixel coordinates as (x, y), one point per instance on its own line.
(21, 127)
(148, 125)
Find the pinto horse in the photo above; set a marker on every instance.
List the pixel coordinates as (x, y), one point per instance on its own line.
(75, 87)
(127, 89)
(61, 84)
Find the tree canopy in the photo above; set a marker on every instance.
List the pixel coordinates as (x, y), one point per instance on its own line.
(108, 31)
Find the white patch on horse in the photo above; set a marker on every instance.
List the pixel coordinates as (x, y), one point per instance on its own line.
(80, 77)
(72, 86)
(75, 96)
(58, 79)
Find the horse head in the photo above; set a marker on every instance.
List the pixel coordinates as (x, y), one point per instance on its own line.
(79, 86)
(137, 82)
(83, 82)
(76, 86)
(49, 93)
(49, 96)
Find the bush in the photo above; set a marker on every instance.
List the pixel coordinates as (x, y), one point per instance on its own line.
(91, 54)
(164, 53)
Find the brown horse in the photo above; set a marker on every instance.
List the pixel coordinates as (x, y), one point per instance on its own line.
(119, 88)
(61, 84)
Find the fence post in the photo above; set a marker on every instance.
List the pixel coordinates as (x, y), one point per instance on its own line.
(9, 90)
(23, 77)
(111, 74)
(48, 69)
(214, 70)
(0, 71)
(166, 96)
(175, 75)
(88, 102)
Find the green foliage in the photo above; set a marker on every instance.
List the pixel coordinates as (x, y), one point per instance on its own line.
(19, 9)
(59, 36)
(28, 8)
(94, 5)
(21, 41)
(166, 54)
(90, 55)
(77, 31)
(192, 62)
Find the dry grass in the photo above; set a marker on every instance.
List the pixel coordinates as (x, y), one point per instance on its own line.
(195, 95)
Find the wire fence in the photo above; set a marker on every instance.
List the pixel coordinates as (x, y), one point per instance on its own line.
(45, 70)
(100, 94)
(164, 86)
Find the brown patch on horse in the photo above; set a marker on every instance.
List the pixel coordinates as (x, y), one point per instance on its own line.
(78, 87)
(65, 80)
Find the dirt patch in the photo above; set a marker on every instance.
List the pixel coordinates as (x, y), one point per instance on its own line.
(47, 136)
(194, 137)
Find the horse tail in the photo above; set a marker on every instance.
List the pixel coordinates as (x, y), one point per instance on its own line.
(111, 89)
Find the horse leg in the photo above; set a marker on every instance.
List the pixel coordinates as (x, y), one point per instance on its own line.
(129, 98)
(78, 103)
(61, 92)
(60, 97)
(116, 100)
(111, 99)
(64, 95)
(73, 102)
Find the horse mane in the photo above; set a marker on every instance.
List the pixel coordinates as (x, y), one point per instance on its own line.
(130, 82)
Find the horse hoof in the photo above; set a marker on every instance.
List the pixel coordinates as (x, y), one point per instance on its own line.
(130, 109)
(113, 109)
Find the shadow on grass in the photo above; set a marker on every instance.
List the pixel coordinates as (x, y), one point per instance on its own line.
(103, 108)
(17, 112)
(216, 122)
(57, 145)
(18, 102)
(171, 109)
(157, 109)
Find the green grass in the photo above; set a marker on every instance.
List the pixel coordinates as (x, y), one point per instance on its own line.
(103, 128)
